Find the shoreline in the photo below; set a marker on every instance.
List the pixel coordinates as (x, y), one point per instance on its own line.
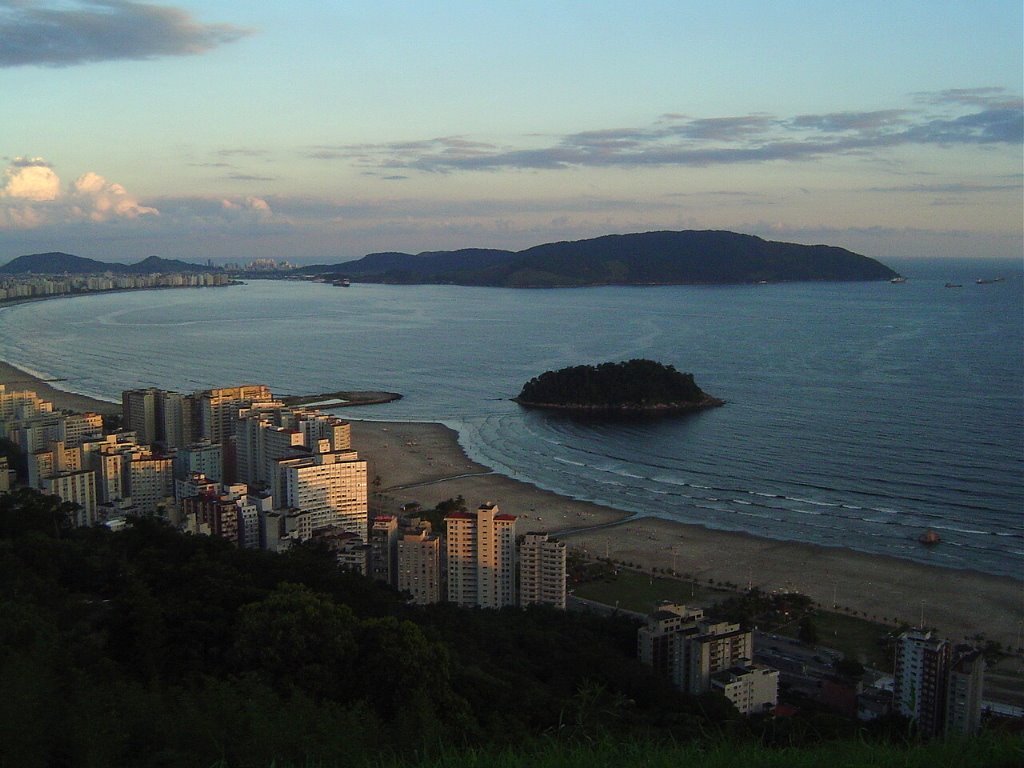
(423, 462)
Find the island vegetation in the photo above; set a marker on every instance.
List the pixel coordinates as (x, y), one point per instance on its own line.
(689, 257)
(634, 386)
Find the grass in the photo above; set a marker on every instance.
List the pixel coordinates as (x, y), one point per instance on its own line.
(857, 638)
(634, 591)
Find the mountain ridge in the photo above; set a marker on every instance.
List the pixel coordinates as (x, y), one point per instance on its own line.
(648, 258)
(60, 263)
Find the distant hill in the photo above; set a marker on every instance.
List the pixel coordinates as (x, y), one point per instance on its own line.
(57, 263)
(649, 258)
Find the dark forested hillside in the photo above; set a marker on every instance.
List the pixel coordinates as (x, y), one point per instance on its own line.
(635, 385)
(57, 263)
(649, 258)
(150, 647)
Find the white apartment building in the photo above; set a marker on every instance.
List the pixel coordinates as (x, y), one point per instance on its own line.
(752, 689)
(16, 405)
(150, 482)
(204, 457)
(218, 409)
(76, 428)
(481, 550)
(52, 460)
(78, 488)
(325, 489)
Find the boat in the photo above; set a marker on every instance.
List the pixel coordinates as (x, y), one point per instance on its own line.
(929, 538)
(898, 279)
(954, 285)
(344, 282)
(983, 281)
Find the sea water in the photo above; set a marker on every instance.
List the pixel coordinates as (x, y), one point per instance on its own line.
(859, 415)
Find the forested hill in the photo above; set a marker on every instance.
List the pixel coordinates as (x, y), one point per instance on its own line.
(57, 263)
(651, 258)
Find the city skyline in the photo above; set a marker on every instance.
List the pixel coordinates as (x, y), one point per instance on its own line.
(320, 133)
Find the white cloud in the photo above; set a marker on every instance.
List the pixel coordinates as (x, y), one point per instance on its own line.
(32, 197)
(102, 201)
(30, 179)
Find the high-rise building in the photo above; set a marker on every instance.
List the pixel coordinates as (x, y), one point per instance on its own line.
(384, 549)
(687, 648)
(708, 648)
(76, 428)
(963, 692)
(176, 419)
(204, 456)
(419, 565)
(658, 641)
(218, 409)
(16, 405)
(325, 490)
(481, 550)
(150, 482)
(138, 410)
(52, 460)
(542, 562)
(78, 488)
(921, 680)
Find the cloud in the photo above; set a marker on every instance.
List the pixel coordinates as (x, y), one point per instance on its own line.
(30, 179)
(61, 34)
(956, 188)
(982, 116)
(98, 200)
(249, 177)
(32, 197)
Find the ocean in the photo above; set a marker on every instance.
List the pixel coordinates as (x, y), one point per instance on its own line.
(858, 415)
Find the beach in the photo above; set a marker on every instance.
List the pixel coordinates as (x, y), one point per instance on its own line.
(423, 462)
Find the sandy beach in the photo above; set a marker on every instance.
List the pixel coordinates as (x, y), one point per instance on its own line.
(16, 379)
(423, 462)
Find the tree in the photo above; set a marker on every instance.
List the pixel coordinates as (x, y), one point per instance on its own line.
(298, 638)
(808, 632)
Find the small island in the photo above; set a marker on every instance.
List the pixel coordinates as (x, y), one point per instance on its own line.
(635, 386)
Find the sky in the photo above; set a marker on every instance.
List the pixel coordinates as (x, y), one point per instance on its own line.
(319, 131)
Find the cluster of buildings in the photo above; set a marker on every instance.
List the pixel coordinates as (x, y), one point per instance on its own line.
(698, 654)
(938, 685)
(239, 464)
(35, 286)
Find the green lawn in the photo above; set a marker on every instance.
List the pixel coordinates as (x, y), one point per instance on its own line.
(857, 638)
(640, 592)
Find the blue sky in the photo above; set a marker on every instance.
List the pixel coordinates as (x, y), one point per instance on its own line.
(321, 131)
